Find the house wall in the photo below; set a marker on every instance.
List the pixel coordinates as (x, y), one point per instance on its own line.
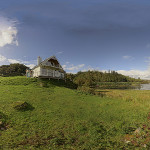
(37, 72)
(46, 72)
(51, 73)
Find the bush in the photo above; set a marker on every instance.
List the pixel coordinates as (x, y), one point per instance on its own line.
(86, 90)
(43, 84)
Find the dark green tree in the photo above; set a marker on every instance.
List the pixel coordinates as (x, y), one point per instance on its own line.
(13, 70)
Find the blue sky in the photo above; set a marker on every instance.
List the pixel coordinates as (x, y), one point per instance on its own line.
(83, 34)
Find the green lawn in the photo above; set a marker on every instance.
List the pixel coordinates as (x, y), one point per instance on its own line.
(63, 118)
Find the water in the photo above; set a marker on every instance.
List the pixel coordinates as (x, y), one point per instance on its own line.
(144, 87)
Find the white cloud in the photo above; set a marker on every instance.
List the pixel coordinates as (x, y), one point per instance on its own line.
(64, 66)
(30, 66)
(80, 66)
(13, 61)
(2, 58)
(7, 60)
(8, 31)
(27, 63)
(136, 73)
(128, 57)
(143, 74)
(75, 67)
(71, 67)
(59, 53)
(89, 68)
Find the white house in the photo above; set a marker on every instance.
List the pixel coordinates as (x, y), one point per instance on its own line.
(49, 68)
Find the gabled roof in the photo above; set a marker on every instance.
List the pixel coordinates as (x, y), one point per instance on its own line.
(52, 57)
(44, 61)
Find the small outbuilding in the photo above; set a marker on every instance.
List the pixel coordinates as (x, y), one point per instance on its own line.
(49, 68)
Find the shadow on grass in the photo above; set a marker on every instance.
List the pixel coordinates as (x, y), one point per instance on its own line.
(2, 116)
(3, 122)
(55, 82)
(23, 106)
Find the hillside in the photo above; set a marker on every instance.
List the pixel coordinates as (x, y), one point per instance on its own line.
(62, 118)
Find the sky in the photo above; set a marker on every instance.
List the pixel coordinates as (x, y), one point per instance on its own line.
(83, 34)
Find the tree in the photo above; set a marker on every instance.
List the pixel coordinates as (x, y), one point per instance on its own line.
(13, 70)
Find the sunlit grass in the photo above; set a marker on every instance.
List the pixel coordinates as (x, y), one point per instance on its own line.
(67, 119)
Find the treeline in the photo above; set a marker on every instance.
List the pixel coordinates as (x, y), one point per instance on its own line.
(92, 78)
(13, 70)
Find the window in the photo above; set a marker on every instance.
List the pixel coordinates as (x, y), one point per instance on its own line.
(44, 72)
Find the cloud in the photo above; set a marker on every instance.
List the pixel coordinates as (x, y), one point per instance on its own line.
(71, 67)
(8, 31)
(30, 65)
(136, 73)
(64, 66)
(75, 67)
(89, 68)
(2, 58)
(128, 57)
(13, 61)
(58, 53)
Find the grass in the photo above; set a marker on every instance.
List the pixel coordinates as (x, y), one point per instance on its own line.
(63, 118)
(118, 85)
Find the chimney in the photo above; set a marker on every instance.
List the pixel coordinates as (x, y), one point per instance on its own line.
(39, 60)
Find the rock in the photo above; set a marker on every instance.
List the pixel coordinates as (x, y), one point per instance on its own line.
(128, 138)
(137, 131)
(144, 145)
(127, 141)
(43, 84)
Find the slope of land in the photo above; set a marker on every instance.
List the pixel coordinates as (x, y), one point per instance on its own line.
(63, 118)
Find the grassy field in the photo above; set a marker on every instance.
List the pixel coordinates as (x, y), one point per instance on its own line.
(62, 118)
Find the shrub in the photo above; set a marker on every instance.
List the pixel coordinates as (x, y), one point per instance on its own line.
(43, 84)
(86, 90)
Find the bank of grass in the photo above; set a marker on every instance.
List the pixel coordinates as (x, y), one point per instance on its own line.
(141, 97)
(118, 85)
(63, 118)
